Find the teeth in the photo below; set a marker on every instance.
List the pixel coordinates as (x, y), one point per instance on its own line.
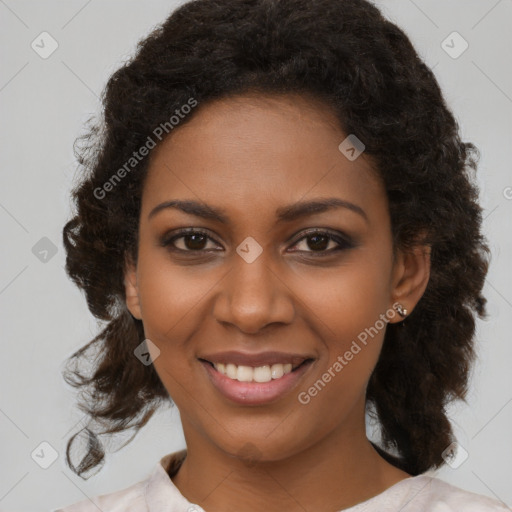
(250, 374)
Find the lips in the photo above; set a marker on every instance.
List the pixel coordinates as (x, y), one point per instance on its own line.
(256, 393)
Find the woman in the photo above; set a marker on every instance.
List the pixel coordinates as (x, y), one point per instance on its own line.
(278, 223)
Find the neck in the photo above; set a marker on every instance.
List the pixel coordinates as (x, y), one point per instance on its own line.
(340, 471)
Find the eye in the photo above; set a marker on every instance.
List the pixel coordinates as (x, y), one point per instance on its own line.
(317, 241)
(323, 242)
(188, 240)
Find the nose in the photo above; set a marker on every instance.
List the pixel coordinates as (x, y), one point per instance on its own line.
(253, 296)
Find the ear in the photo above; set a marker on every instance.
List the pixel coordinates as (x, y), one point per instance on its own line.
(132, 289)
(411, 273)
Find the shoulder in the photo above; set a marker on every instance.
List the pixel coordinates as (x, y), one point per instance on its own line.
(130, 499)
(143, 496)
(436, 495)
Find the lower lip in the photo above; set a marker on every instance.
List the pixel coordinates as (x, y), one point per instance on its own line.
(255, 393)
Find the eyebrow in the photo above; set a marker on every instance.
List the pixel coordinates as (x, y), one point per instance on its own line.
(284, 214)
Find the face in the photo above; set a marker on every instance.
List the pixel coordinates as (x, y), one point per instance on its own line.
(246, 266)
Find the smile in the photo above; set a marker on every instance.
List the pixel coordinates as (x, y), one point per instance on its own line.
(249, 374)
(255, 385)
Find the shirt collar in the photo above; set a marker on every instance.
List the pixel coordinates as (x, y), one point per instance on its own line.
(161, 494)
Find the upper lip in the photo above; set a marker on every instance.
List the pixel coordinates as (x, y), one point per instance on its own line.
(257, 359)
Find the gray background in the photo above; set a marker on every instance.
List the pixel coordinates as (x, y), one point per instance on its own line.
(44, 318)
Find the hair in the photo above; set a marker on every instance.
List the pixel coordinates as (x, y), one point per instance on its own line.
(364, 68)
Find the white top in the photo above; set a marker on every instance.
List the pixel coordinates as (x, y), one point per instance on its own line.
(157, 493)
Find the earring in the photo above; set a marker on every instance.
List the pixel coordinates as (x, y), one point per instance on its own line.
(401, 310)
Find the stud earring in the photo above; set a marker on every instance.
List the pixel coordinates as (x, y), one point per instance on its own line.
(401, 310)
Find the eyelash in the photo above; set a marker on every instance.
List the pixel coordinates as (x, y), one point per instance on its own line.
(343, 242)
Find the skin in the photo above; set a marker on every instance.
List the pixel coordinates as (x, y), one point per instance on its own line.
(250, 155)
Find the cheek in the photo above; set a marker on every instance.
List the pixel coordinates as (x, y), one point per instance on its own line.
(171, 296)
(352, 331)
(173, 306)
(167, 300)
(351, 298)
(349, 308)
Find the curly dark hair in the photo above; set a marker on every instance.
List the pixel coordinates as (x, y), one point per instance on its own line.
(347, 55)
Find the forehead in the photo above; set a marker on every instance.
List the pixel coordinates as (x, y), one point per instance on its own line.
(257, 152)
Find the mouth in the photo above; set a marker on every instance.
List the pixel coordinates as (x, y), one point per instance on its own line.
(256, 385)
(264, 373)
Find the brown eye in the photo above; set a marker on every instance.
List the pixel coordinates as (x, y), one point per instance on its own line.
(318, 242)
(188, 241)
(194, 242)
(322, 243)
